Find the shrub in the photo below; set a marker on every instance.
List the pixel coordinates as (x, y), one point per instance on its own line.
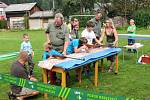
(3, 24)
(142, 17)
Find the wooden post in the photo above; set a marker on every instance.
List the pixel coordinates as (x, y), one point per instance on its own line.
(45, 77)
(102, 65)
(63, 83)
(116, 72)
(96, 74)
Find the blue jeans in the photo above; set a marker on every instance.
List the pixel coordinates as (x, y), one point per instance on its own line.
(131, 42)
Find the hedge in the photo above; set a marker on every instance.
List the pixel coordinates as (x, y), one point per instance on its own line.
(142, 17)
(3, 24)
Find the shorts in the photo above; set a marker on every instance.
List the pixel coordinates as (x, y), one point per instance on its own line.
(131, 41)
(26, 91)
(111, 58)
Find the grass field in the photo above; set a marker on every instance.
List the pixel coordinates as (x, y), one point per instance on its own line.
(133, 80)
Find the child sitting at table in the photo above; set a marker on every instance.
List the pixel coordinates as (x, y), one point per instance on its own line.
(77, 46)
(48, 53)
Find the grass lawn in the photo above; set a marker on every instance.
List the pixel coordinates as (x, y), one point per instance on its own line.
(133, 80)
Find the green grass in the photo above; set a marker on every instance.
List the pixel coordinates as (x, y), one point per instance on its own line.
(133, 80)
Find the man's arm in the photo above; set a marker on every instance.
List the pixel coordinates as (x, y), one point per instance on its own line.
(65, 47)
(47, 38)
(66, 40)
(47, 32)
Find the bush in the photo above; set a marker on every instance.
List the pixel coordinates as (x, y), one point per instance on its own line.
(142, 17)
(3, 24)
(83, 20)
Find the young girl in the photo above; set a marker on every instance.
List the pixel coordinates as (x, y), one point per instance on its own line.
(77, 46)
(74, 30)
(111, 40)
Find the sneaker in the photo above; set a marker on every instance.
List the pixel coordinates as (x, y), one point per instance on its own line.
(77, 78)
(88, 72)
(54, 81)
(129, 50)
(12, 96)
(58, 81)
(110, 70)
(67, 77)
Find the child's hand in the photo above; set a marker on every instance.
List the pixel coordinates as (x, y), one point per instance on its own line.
(32, 53)
(64, 53)
(84, 47)
(50, 57)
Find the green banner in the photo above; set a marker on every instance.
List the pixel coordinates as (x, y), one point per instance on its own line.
(13, 55)
(68, 93)
(8, 56)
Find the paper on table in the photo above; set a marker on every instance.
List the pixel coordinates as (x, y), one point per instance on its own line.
(48, 64)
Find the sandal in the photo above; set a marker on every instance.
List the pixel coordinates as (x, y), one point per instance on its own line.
(110, 70)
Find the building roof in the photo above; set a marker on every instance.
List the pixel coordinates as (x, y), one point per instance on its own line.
(20, 7)
(3, 5)
(42, 14)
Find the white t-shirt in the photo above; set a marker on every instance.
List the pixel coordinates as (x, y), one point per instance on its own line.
(26, 46)
(88, 35)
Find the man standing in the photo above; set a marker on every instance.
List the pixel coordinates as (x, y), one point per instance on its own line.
(97, 24)
(19, 70)
(57, 33)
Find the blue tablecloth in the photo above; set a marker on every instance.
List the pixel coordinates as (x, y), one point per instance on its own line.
(68, 65)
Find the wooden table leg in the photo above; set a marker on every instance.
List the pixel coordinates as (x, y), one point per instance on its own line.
(116, 72)
(96, 74)
(63, 83)
(102, 65)
(80, 72)
(45, 79)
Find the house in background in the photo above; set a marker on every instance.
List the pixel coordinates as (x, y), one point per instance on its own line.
(17, 14)
(2, 11)
(40, 19)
